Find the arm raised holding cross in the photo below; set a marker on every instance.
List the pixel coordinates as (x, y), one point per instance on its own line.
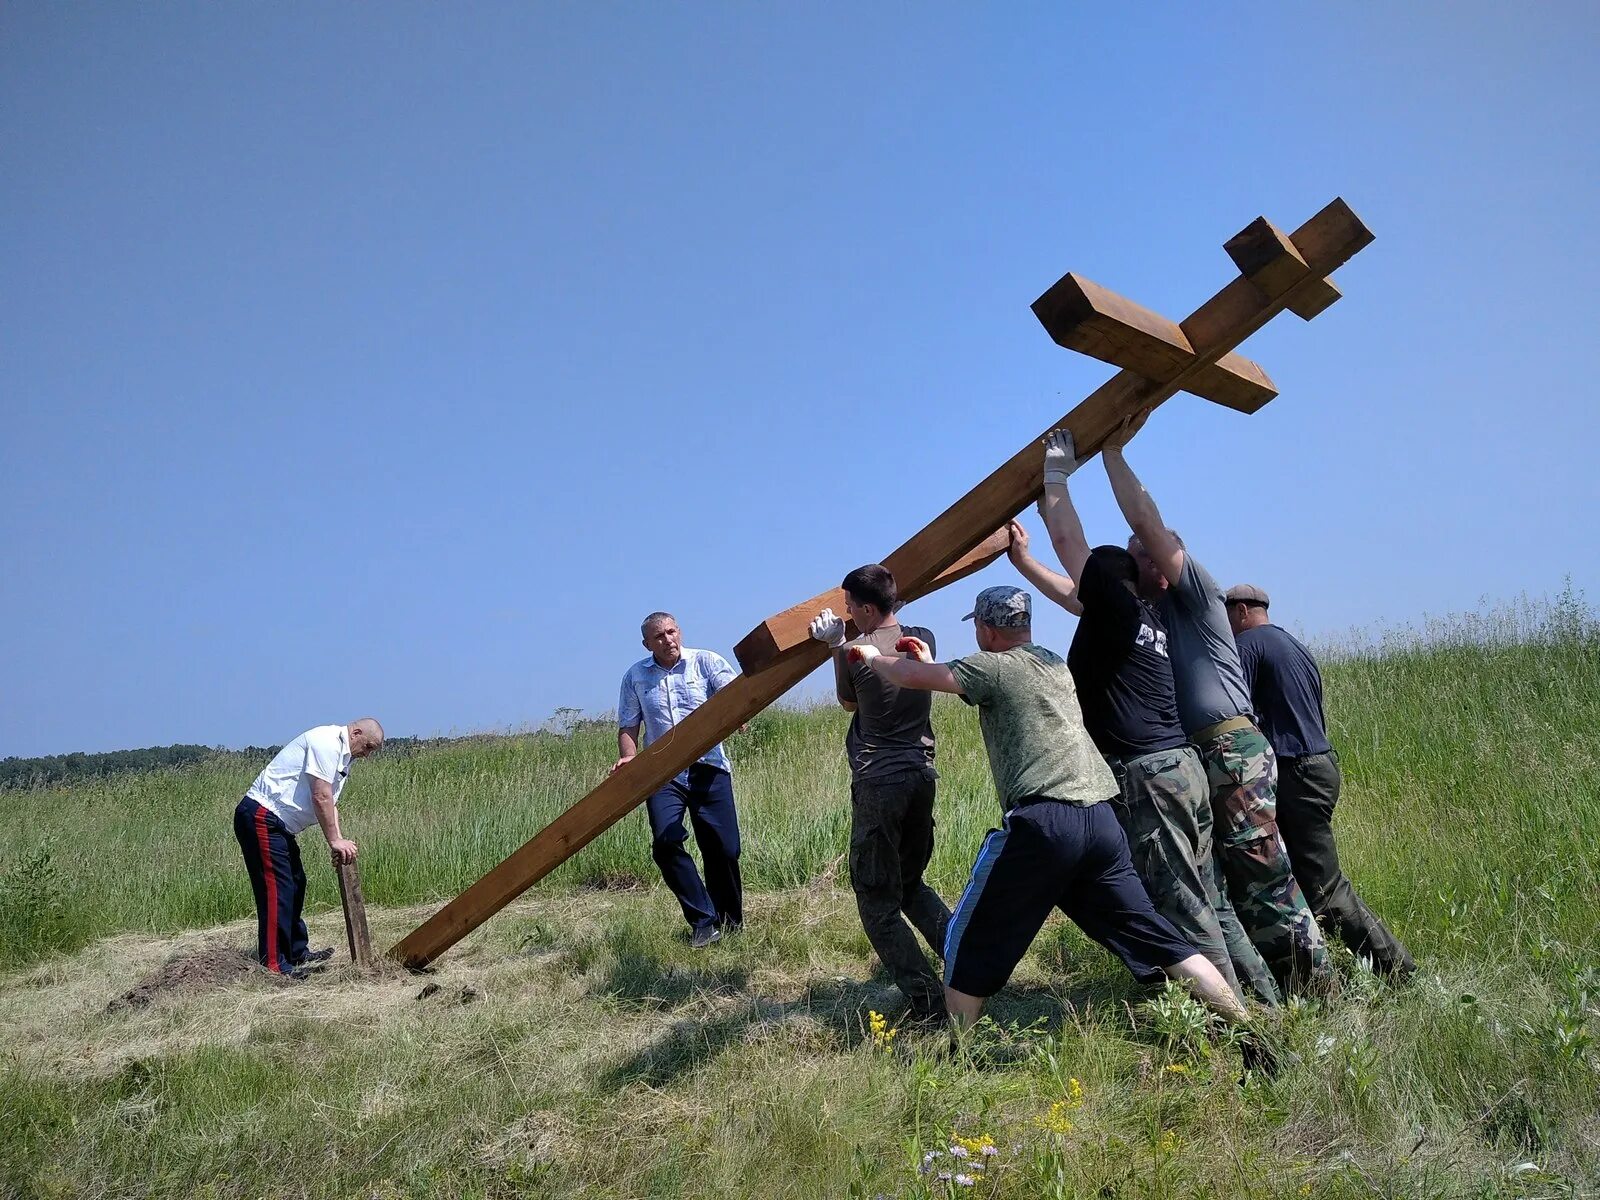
(1061, 521)
(1157, 543)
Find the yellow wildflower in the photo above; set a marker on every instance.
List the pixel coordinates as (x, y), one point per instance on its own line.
(878, 1026)
(982, 1145)
(1056, 1120)
(1177, 1069)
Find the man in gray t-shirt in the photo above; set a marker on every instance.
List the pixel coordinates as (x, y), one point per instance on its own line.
(1214, 706)
(892, 789)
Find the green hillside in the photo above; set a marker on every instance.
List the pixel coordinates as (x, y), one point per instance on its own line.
(600, 1056)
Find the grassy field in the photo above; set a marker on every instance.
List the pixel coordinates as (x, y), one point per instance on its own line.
(576, 1046)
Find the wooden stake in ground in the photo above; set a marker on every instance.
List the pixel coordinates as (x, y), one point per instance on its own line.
(1158, 357)
(355, 914)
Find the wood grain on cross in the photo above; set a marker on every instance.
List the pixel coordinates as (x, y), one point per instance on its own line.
(1159, 358)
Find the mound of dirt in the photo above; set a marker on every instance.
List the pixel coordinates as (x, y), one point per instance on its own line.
(202, 970)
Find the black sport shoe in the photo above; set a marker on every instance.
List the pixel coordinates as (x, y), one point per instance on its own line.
(315, 956)
(1259, 1055)
(701, 938)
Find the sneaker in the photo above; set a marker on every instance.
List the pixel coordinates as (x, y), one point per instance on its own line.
(701, 938)
(315, 956)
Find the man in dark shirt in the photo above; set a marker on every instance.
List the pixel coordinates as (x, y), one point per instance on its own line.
(1118, 660)
(1286, 691)
(892, 789)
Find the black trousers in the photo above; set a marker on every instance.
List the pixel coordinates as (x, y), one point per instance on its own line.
(1308, 790)
(278, 882)
(706, 795)
(891, 841)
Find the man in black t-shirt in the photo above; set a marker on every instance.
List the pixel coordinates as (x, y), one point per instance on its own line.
(892, 789)
(1286, 691)
(1119, 663)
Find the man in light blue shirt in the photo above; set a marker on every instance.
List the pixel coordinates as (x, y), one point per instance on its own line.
(657, 693)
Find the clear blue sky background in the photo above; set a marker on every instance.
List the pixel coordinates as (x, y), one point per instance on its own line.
(399, 358)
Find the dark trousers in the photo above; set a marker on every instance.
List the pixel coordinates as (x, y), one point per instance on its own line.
(1308, 790)
(891, 841)
(706, 794)
(278, 881)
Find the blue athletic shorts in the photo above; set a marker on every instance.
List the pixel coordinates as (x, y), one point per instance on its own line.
(1048, 854)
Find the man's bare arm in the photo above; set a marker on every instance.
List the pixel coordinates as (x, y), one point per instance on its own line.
(341, 847)
(1060, 588)
(918, 676)
(1137, 506)
(627, 745)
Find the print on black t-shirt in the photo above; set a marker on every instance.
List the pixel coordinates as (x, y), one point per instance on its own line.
(1119, 662)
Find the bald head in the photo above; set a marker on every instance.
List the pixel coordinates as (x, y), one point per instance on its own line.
(366, 735)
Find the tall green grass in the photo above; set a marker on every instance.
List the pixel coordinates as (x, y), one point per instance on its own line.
(1470, 813)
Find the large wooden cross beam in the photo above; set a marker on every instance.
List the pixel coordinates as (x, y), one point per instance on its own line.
(1158, 359)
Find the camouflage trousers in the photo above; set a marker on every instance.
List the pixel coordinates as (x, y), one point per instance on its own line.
(1164, 806)
(1243, 773)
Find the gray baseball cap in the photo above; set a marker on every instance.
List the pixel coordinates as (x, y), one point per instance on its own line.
(1249, 593)
(1003, 607)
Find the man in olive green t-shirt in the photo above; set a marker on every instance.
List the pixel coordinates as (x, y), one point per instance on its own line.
(1058, 846)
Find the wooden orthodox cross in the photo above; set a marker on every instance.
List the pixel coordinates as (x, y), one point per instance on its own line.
(1158, 359)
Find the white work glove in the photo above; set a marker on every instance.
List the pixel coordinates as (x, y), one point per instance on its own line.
(828, 628)
(1060, 456)
(864, 653)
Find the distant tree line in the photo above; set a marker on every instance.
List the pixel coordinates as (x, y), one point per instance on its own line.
(53, 769)
(69, 768)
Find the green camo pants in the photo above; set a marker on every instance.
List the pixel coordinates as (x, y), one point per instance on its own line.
(1165, 809)
(1243, 774)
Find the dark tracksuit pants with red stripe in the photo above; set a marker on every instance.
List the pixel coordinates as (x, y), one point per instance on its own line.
(279, 882)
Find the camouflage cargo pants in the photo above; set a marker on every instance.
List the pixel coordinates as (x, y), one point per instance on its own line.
(1165, 809)
(1243, 774)
(891, 841)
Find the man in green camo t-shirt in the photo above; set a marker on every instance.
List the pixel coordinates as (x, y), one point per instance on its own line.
(1032, 725)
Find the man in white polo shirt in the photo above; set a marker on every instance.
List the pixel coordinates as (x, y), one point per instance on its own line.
(299, 788)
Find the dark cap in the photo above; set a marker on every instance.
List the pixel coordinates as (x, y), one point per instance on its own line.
(1249, 593)
(1003, 607)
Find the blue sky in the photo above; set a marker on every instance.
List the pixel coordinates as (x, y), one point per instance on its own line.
(400, 358)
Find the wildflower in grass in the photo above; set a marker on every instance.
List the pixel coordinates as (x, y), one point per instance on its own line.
(982, 1145)
(1056, 1120)
(1167, 1142)
(963, 1180)
(1177, 1069)
(878, 1026)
